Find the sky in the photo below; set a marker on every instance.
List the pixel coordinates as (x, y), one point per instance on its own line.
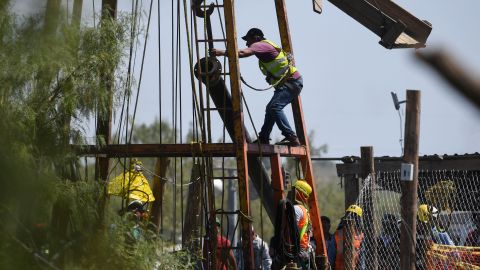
(347, 75)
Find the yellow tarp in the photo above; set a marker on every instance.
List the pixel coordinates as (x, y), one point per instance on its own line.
(132, 183)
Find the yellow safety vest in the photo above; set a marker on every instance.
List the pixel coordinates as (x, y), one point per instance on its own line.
(303, 226)
(279, 69)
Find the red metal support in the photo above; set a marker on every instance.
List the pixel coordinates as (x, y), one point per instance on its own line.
(240, 140)
(302, 135)
(186, 150)
(277, 178)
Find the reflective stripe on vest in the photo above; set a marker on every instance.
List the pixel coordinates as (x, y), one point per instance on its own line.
(279, 68)
(339, 259)
(303, 226)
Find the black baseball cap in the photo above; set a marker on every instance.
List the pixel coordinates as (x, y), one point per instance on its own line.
(252, 33)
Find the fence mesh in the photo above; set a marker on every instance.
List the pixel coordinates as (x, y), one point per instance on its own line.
(451, 199)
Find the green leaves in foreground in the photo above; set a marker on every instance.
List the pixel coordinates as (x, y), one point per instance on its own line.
(51, 81)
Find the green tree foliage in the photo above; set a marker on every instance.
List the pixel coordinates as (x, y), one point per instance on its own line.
(52, 79)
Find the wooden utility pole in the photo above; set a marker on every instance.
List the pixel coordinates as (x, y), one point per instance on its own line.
(352, 189)
(77, 12)
(408, 200)
(368, 210)
(104, 119)
(52, 16)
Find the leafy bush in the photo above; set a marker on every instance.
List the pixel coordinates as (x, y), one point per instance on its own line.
(51, 79)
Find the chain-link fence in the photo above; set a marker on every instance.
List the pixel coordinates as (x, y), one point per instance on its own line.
(448, 223)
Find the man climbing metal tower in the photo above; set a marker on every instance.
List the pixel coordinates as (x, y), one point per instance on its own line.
(282, 75)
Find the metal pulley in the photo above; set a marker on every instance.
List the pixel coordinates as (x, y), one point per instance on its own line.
(207, 70)
(210, 69)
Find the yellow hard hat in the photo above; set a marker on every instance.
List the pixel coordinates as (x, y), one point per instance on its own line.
(136, 164)
(303, 187)
(355, 209)
(425, 211)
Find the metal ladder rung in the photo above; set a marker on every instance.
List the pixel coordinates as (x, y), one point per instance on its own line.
(215, 5)
(213, 40)
(223, 212)
(225, 177)
(217, 109)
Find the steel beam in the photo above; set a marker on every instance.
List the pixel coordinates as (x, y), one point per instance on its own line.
(193, 150)
(427, 163)
(383, 18)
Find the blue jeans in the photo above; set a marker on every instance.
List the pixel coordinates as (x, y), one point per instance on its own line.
(283, 95)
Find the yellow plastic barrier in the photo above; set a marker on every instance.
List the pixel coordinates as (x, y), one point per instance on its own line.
(443, 257)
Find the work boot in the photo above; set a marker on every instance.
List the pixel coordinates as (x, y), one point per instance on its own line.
(290, 140)
(262, 140)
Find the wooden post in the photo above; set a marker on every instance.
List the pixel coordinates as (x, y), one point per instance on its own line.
(77, 13)
(352, 189)
(158, 187)
(408, 198)
(52, 16)
(104, 120)
(371, 263)
(110, 7)
(193, 212)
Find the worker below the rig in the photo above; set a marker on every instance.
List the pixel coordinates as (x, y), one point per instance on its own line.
(388, 243)
(473, 238)
(225, 257)
(263, 261)
(429, 231)
(302, 217)
(326, 224)
(282, 75)
(352, 220)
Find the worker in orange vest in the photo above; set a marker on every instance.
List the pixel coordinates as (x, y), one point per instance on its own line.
(353, 217)
(302, 217)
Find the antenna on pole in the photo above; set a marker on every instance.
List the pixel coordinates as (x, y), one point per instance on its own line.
(396, 103)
